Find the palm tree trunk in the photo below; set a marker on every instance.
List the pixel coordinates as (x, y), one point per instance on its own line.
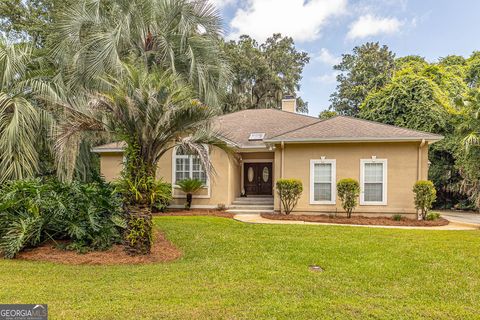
(189, 200)
(138, 237)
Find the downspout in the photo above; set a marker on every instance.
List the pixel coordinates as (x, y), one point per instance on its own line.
(282, 168)
(419, 168)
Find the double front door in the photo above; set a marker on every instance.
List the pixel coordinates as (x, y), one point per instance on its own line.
(257, 178)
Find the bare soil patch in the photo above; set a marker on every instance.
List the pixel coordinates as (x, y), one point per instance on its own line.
(162, 251)
(382, 221)
(196, 212)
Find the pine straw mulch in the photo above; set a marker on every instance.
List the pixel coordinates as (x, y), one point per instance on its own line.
(195, 212)
(361, 220)
(162, 251)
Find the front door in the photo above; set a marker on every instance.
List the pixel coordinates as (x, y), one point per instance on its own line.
(257, 178)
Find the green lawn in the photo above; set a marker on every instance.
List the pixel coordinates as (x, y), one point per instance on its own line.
(240, 271)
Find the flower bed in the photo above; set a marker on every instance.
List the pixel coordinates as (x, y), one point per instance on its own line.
(162, 251)
(361, 220)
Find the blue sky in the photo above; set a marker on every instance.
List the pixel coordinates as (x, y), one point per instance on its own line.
(327, 28)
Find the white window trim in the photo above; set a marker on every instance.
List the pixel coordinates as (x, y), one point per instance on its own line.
(333, 162)
(174, 177)
(362, 182)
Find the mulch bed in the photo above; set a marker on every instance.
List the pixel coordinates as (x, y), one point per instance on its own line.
(162, 251)
(196, 212)
(382, 221)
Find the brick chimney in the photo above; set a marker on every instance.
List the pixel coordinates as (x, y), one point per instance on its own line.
(289, 103)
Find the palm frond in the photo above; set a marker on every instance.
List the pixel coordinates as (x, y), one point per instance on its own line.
(98, 37)
(19, 123)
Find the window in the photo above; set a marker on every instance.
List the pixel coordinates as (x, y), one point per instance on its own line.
(322, 181)
(373, 185)
(188, 166)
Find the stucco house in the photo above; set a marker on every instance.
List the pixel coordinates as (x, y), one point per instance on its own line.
(270, 144)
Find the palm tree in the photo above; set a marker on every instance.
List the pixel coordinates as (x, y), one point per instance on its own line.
(469, 155)
(91, 39)
(151, 110)
(21, 119)
(94, 37)
(470, 128)
(189, 187)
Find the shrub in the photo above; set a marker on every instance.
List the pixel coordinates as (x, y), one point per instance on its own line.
(397, 217)
(161, 195)
(34, 211)
(289, 191)
(145, 190)
(348, 191)
(189, 187)
(433, 216)
(425, 196)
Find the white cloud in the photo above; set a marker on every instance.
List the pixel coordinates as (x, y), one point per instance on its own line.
(327, 78)
(219, 4)
(302, 20)
(369, 25)
(327, 57)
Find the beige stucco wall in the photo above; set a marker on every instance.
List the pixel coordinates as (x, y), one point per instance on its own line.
(224, 183)
(111, 165)
(220, 188)
(234, 177)
(402, 171)
(257, 155)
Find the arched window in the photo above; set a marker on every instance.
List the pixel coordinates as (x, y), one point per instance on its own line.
(188, 166)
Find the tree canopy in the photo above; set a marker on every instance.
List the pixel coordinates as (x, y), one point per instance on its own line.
(368, 68)
(409, 101)
(263, 73)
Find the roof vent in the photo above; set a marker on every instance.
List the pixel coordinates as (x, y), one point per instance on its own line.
(256, 136)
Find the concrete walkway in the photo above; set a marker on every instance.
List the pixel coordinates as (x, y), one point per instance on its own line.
(256, 218)
(461, 216)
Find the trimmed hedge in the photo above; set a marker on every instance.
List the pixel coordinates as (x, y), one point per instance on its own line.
(348, 191)
(425, 196)
(289, 191)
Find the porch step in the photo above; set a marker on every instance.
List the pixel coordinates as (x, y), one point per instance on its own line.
(251, 211)
(253, 201)
(256, 196)
(252, 206)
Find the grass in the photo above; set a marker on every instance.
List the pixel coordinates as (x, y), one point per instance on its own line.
(242, 271)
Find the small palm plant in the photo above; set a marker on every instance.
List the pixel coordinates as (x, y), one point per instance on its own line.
(190, 186)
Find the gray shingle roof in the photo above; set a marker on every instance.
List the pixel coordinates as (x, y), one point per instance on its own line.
(290, 127)
(280, 125)
(236, 127)
(343, 128)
